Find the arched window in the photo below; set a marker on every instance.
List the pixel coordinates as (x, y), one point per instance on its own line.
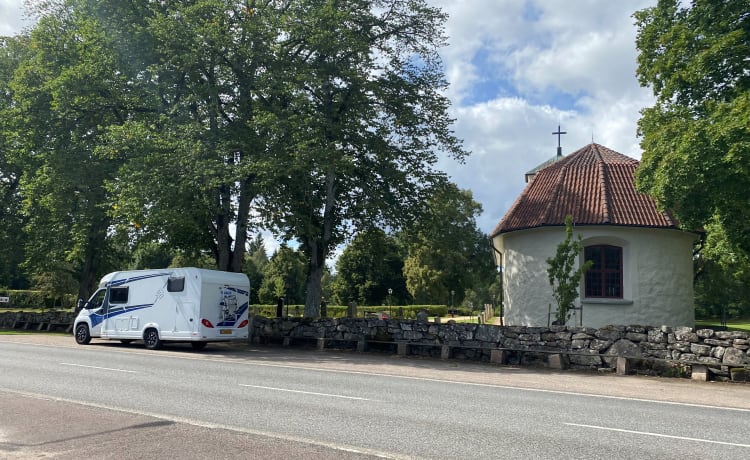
(604, 278)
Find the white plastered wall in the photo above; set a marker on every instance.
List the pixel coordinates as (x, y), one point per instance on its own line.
(657, 277)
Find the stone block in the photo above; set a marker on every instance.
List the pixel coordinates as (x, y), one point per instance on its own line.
(623, 365)
(445, 352)
(735, 357)
(558, 361)
(498, 356)
(740, 374)
(699, 373)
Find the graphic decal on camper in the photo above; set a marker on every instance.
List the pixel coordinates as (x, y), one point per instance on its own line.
(232, 312)
(97, 318)
(136, 278)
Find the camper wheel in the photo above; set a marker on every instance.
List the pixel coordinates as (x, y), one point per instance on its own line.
(83, 336)
(151, 339)
(198, 345)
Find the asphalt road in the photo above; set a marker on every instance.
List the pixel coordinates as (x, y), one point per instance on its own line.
(60, 400)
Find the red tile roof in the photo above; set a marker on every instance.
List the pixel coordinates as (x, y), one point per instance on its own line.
(595, 185)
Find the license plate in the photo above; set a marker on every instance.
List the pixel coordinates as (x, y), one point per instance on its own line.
(226, 332)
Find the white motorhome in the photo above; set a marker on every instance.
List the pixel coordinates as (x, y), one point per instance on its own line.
(174, 304)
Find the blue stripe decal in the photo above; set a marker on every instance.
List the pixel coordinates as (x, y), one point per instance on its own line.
(136, 278)
(97, 318)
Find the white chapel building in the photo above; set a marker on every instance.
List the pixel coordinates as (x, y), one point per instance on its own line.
(643, 269)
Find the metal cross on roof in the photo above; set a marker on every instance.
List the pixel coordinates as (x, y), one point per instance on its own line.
(559, 133)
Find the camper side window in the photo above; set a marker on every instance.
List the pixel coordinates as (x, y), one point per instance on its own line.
(118, 295)
(176, 284)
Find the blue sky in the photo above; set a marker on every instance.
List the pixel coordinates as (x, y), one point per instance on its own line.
(517, 69)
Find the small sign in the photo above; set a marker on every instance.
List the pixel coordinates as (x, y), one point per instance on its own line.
(4, 299)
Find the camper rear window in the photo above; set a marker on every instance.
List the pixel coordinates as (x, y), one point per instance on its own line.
(118, 295)
(176, 284)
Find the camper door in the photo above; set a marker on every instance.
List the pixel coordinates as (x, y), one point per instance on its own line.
(185, 321)
(115, 320)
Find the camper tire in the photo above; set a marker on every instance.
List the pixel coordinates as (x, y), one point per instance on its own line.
(198, 345)
(151, 339)
(83, 336)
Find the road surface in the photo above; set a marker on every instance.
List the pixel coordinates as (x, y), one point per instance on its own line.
(106, 400)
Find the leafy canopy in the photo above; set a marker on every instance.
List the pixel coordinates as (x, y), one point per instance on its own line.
(696, 138)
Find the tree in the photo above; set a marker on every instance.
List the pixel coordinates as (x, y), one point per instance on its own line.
(564, 277)
(368, 267)
(368, 120)
(256, 261)
(151, 254)
(12, 239)
(446, 251)
(65, 92)
(284, 276)
(696, 138)
(722, 277)
(195, 147)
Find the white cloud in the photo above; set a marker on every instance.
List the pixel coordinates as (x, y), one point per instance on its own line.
(11, 17)
(572, 63)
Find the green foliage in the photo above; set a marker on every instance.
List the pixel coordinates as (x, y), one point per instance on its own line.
(255, 265)
(189, 123)
(151, 254)
(368, 119)
(696, 138)
(12, 239)
(284, 276)
(34, 299)
(722, 277)
(446, 251)
(64, 95)
(564, 277)
(370, 265)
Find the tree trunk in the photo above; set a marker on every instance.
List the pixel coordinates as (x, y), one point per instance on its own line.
(87, 281)
(318, 250)
(314, 292)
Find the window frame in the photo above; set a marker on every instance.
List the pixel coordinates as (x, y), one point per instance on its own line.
(176, 284)
(604, 271)
(115, 296)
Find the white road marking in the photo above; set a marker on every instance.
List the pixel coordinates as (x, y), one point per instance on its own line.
(239, 429)
(100, 368)
(658, 435)
(305, 392)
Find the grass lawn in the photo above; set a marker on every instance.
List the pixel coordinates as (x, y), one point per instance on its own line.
(732, 325)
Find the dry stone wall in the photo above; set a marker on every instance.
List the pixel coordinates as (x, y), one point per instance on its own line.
(29, 320)
(656, 350)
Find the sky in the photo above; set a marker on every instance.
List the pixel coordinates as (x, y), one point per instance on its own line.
(517, 70)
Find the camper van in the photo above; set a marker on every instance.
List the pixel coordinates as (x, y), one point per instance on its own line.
(175, 304)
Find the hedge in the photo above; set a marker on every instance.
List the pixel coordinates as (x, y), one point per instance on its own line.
(36, 299)
(340, 311)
